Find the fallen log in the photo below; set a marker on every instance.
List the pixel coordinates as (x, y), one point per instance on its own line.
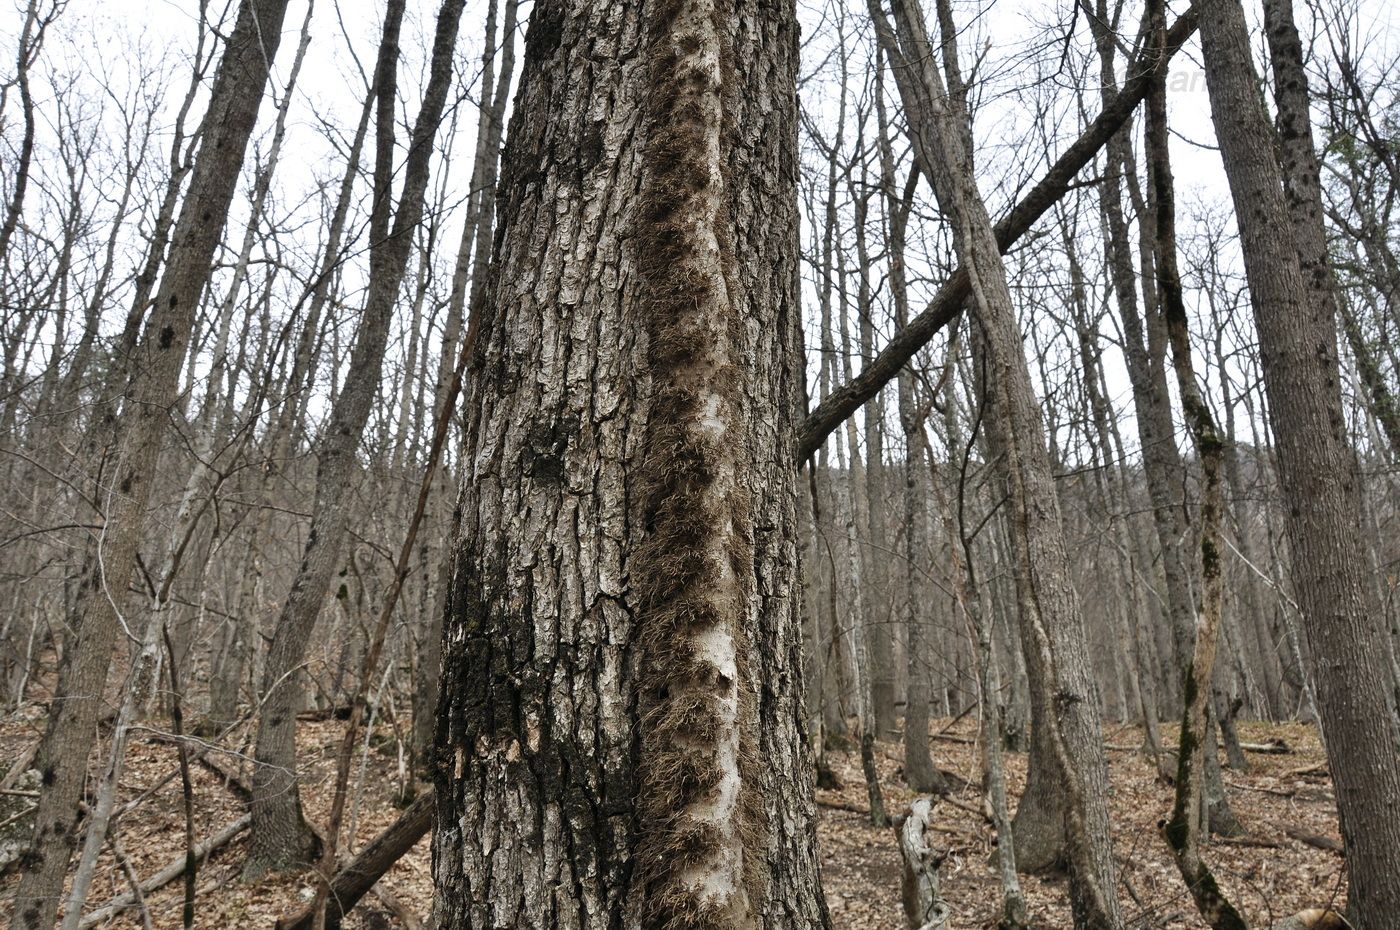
(847, 806)
(1246, 841)
(210, 758)
(954, 738)
(1315, 840)
(924, 908)
(325, 713)
(165, 876)
(1317, 770)
(20, 766)
(350, 883)
(1270, 747)
(1316, 918)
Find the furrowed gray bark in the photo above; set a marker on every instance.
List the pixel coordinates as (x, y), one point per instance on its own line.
(622, 641)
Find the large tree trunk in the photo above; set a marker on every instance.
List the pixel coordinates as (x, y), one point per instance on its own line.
(1290, 282)
(619, 734)
(281, 837)
(233, 111)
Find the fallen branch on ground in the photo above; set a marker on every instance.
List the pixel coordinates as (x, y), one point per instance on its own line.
(400, 910)
(351, 882)
(165, 876)
(1315, 840)
(1314, 919)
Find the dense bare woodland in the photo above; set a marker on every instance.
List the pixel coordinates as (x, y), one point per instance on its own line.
(700, 464)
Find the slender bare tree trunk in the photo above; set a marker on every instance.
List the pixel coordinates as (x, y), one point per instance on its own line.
(1189, 816)
(919, 770)
(973, 602)
(1051, 622)
(233, 110)
(280, 836)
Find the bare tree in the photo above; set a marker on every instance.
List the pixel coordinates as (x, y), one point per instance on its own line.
(281, 837)
(1294, 310)
(629, 719)
(233, 109)
(1063, 689)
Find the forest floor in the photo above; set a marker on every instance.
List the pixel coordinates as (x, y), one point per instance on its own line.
(1270, 872)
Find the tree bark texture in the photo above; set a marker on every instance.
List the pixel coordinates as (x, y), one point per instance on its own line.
(620, 734)
(1289, 281)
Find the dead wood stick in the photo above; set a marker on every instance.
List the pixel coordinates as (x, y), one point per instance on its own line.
(853, 808)
(1273, 747)
(406, 916)
(842, 806)
(20, 766)
(924, 908)
(1276, 792)
(1318, 770)
(1315, 840)
(165, 876)
(351, 882)
(232, 777)
(954, 738)
(1246, 841)
(139, 899)
(19, 816)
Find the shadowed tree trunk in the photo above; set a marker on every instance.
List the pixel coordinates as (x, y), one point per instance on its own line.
(619, 734)
(472, 259)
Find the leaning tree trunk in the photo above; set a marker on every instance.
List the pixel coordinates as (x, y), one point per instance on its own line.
(233, 111)
(1183, 829)
(1290, 282)
(619, 733)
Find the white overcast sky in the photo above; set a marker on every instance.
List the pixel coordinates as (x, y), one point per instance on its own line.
(121, 37)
